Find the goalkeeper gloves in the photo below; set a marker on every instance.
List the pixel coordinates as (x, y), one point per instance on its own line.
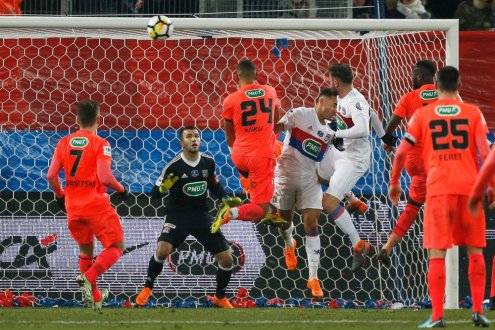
(231, 201)
(123, 195)
(61, 203)
(389, 139)
(169, 181)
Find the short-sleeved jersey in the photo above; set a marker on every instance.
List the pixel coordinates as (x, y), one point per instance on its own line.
(251, 109)
(305, 142)
(447, 130)
(418, 98)
(349, 108)
(190, 191)
(79, 153)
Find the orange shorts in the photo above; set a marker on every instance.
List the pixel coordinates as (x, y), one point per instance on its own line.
(447, 221)
(103, 223)
(261, 172)
(416, 169)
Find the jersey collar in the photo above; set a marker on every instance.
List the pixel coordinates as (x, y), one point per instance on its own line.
(188, 162)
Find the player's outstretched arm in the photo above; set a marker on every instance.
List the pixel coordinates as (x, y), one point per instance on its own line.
(394, 190)
(485, 178)
(359, 130)
(388, 139)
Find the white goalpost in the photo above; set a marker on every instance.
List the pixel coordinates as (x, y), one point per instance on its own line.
(148, 90)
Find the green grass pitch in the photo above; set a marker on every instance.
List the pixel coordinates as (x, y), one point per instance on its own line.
(218, 319)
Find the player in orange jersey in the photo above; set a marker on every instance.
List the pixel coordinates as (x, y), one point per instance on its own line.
(249, 116)
(424, 93)
(86, 159)
(450, 132)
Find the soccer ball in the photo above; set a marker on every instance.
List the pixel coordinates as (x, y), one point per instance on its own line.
(160, 27)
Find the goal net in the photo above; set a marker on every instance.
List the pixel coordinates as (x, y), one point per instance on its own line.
(148, 90)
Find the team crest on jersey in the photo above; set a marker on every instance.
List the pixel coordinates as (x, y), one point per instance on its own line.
(79, 142)
(326, 138)
(358, 106)
(320, 133)
(194, 173)
(204, 173)
(447, 110)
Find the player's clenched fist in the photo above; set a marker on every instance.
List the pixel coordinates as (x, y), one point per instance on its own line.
(394, 193)
(168, 182)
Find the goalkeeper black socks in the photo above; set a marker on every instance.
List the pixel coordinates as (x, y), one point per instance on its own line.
(223, 279)
(154, 269)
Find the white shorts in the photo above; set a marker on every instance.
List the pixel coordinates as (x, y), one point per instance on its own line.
(341, 172)
(301, 192)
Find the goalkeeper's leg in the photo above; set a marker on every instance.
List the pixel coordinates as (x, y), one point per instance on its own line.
(224, 273)
(155, 267)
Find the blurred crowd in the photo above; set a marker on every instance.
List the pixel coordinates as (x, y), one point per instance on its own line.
(472, 14)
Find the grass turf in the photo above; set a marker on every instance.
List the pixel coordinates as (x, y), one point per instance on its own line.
(217, 319)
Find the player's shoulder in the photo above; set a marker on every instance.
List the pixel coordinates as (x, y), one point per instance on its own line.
(207, 158)
(176, 160)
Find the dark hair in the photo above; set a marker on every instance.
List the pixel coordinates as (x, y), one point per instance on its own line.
(246, 69)
(187, 128)
(87, 112)
(427, 67)
(448, 79)
(328, 92)
(342, 72)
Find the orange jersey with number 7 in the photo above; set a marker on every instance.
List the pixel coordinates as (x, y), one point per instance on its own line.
(447, 130)
(79, 154)
(251, 109)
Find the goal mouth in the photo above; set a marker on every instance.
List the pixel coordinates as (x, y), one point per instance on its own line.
(148, 90)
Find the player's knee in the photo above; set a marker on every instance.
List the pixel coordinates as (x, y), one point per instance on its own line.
(225, 259)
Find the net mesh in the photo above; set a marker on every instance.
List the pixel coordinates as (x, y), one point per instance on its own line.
(148, 90)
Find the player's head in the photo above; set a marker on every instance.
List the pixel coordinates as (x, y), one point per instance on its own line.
(340, 75)
(246, 71)
(326, 103)
(190, 140)
(423, 73)
(88, 112)
(448, 79)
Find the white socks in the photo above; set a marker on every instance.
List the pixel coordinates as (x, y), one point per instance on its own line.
(313, 248)
(347, 226)
(287, 235)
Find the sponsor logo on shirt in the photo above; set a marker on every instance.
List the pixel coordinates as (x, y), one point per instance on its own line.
(254, 93)
(447, 110)
(78, 142)
(428, 94)
(194, 189)
(311, 147)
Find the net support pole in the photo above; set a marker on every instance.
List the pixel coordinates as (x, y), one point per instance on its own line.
(452, 258)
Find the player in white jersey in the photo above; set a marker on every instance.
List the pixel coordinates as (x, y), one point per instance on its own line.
(296, 182)
(343, 169)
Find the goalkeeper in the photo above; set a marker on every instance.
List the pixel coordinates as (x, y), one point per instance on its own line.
(186, 179)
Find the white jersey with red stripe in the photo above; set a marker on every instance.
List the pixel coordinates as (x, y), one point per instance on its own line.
(305, 143)
(350, 109)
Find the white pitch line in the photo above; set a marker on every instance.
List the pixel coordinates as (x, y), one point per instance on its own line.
(119, 322)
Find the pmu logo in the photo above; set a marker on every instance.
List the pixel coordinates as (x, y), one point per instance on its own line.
(191, 258)
(31, 251)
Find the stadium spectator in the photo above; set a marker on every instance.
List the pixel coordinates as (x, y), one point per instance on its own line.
(442, 9)
(475, 15)
(186, 179)
(453, 136)
(343, 169)
(249, 116)
(412, 9)
(86, 160)
(424, 93)
(362, 9)
(10, 7)
(298, 8)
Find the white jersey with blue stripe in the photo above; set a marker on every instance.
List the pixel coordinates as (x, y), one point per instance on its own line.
(305, 143)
